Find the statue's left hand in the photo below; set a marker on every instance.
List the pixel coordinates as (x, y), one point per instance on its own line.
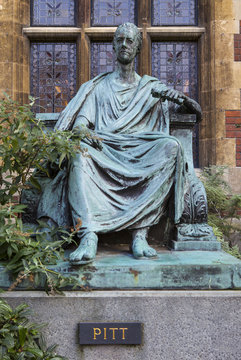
(96, 143)
(90, 138)
(93, 140)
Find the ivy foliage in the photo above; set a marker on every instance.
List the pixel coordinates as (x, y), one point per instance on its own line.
(223, 208)
(21, 339)
(26, 145)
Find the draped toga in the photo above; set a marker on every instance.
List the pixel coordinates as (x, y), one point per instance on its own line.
(128, 183)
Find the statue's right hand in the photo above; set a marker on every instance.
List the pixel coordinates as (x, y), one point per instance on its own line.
(165, 93)
(159, 91)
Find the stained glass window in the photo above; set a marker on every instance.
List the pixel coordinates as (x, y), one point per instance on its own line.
(53, 13)
(102, 58)
(112, 12)
(53, 75)
(174, 12)
(175, 63)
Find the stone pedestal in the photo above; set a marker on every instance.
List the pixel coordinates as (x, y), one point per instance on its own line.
(177, 325)
(115, 268)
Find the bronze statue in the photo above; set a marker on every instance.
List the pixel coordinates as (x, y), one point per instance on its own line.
(130, 175)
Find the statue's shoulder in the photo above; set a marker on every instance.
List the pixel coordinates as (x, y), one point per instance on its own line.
(92, 83)
(99, 78)
(150, 80)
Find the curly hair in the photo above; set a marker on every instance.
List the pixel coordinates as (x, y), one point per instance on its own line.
(137, 32)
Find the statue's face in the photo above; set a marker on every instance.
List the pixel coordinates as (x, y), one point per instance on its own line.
(126, 45)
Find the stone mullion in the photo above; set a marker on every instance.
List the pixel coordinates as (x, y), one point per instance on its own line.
(144, 21)
(83, 43)
(83, 59)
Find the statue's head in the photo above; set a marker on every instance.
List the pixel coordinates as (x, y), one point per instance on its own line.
(127, 34)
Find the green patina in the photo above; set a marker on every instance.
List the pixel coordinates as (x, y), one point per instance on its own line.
(169, 270)
(136, 172)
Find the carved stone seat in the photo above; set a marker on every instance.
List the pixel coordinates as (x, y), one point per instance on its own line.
(193, 232)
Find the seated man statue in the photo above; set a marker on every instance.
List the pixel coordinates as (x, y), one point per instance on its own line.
(129, 176)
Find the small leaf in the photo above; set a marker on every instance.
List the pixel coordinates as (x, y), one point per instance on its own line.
(9, 252)
(8, 341)
(36, 352)
(35, 183)
(61, 159)
(78, 225)
(22, 332)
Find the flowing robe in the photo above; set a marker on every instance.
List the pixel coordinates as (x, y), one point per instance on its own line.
(128, 183)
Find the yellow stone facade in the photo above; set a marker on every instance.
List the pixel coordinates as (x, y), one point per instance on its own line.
(220, 75)
(14, 49)
(220, 84)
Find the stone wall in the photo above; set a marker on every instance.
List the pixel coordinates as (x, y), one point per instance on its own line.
(14, 49)
(177, 325)
(220, 83)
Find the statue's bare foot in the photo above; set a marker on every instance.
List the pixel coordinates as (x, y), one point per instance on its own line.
(140, 247)
(86, 250)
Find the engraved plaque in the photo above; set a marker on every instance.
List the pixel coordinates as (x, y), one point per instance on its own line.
(110, 333)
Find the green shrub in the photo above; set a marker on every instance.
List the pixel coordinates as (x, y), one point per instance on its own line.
(21, 339)
(222, 207)
(25, 145)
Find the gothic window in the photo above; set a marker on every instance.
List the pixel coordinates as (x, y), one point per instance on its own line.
(71, 42)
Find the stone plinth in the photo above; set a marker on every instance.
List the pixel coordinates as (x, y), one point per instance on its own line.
(115, 268)
(177, 325)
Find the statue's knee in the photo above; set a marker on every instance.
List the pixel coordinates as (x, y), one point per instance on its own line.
(174, 145)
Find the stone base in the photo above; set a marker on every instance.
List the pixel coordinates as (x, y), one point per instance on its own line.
(115, 268)
(177, 325)
(196, 245)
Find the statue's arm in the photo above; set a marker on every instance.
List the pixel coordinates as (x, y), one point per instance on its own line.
(81, 122)
(187, 105)
(190, 106)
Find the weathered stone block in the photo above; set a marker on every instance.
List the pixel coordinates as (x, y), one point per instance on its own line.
(177, 325)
